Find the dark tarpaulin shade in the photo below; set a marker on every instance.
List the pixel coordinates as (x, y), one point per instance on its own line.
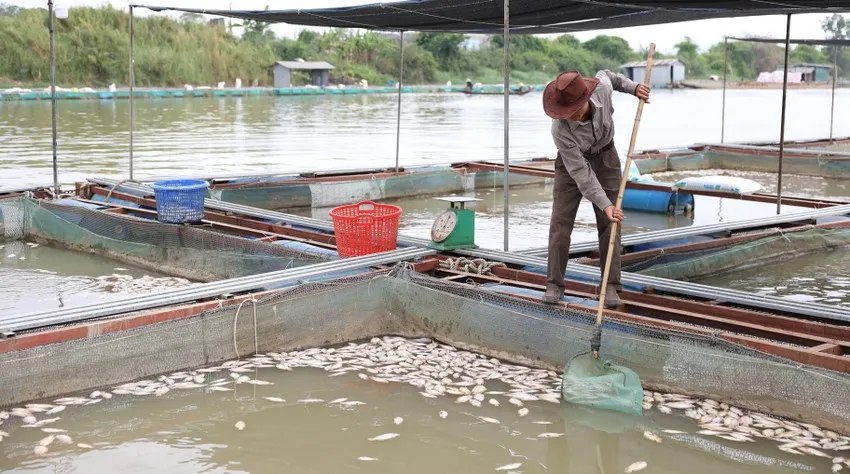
(813, 42)
(527, 16)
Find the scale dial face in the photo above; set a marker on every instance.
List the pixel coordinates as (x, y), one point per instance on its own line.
(443, 226)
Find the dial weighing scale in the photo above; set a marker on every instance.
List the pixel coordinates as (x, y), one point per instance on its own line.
(454, 229)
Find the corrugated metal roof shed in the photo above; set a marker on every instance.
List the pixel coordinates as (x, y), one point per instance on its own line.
(304, 65)
(657, 62)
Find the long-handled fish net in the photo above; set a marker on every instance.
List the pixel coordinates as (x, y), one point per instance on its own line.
(587, 380)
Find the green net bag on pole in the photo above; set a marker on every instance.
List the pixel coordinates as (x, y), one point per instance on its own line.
(590, 382)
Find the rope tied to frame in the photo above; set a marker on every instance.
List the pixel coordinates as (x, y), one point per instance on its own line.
(477, 266)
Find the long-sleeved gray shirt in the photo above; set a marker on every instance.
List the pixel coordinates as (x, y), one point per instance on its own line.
(575, 139)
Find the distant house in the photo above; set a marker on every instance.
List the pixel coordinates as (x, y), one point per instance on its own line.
(318, 72)
(809, 72)
(664, 71)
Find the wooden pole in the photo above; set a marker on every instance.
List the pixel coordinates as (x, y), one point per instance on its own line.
(505, 187)
(54, 117)
(603, 285)
(834, 77)
(782, 125)
(400, 83)
(725, 68)
(132, 87)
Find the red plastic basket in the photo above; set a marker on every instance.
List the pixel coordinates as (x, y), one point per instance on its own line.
(365, 228)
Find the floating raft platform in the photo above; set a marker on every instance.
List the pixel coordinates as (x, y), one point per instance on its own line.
(408, 291)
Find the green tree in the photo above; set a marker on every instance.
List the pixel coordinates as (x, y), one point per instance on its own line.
(445, 47)
(612, 47)
(688, 52)
(806, 53)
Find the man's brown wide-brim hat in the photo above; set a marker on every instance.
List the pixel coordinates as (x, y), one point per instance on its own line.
(567, 94)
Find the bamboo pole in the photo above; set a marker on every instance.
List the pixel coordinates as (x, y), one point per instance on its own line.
(834, 77)
(596, 340)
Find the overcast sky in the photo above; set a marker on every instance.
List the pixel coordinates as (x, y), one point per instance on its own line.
(705, 33)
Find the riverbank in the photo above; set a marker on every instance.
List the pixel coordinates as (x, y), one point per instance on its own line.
(708, 84)
(149, 93)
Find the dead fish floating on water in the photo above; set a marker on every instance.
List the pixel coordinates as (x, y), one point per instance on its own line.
(366, 458)
(384, 437)
(240, 425)
(550, 435)
(635, 467)
(275, 399)
(509, 467)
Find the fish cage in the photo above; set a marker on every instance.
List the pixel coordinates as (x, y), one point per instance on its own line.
(194, 252)
(406, 303)
(713, 257)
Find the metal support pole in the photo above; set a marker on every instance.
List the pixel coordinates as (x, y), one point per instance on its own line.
(782, 125)
(400, 84)
(834, 77)
(132, 99)
(505, 187)
(53, 104)
(725, 68)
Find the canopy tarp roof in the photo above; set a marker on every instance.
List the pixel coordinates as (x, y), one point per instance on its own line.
(526, 16)
(815, 42)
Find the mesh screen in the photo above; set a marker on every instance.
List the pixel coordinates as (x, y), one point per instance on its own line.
(11, 219)
(187, 251)
(414, 305)
(689, 264)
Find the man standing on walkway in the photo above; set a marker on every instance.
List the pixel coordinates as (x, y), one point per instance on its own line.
(587, 166)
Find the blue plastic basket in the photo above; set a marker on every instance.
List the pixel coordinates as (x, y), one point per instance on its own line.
(180, 200)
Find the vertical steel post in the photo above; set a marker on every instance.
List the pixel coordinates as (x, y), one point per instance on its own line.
(400, 85)
(53, 104)
(505, 187)
(132, 98)
(834, 77)
(725, 68)
(782, 125)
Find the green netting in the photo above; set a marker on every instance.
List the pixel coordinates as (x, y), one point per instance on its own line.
(190, 252)
(589, 381)
(758, 250)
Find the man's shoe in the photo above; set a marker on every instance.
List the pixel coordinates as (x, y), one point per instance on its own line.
(612, 299)
(553, 294)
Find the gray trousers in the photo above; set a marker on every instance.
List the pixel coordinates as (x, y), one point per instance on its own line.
(566, 198)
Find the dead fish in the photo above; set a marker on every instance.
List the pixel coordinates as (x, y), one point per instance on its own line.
(679, 405)
(84, 446)
(542, 422)
(366, 458)
(240, 425)
(514, 401)
(384, 437)
(509, 467)
(550, 435)
(56, 409)
(64, 439)
(489, 420)
(30, 420)
(443, 414)
(398, 420)
(651, 436)
(311, 400)
(47, 440)
(40, 450)
(673, 432)
(275, 399)
(260, 382)
(332, 402)
(635, 467)
(814, 452)
(837, 467)
(493, 402)
(474, 402)
(162, 391)
(427, 395)
(665, 409)
(219, 388)
(463, 399)
(352, 403)
(242, 379)
(522, 411)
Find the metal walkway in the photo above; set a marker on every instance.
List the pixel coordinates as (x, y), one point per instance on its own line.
(683, 232)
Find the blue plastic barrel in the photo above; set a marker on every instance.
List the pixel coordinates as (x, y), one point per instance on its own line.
(662, 202)
(180, 200)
